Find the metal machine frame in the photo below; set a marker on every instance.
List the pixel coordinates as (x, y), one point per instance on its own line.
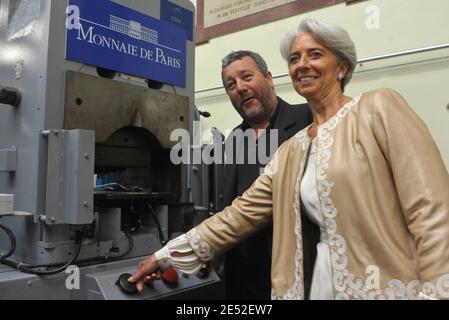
(61, 124)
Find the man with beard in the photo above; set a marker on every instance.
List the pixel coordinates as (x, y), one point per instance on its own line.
(250, 88)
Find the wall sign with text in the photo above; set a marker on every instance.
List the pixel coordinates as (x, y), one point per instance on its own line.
(219, 17)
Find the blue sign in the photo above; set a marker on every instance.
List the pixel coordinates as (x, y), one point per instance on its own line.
(105, 34)
(178, 16)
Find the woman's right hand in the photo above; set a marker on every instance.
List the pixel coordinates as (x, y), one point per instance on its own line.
(148, 270)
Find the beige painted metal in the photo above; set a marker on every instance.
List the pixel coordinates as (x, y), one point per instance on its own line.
(115, 105)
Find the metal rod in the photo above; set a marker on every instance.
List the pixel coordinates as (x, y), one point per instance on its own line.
(46, 133)
(404, 53)
(363, 60)
(355, 72)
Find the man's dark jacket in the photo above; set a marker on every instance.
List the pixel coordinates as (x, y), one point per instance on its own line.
(248, 266)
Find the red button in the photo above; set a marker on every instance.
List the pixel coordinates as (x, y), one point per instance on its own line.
(170, 276)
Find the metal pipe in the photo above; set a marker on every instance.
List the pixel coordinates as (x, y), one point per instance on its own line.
(355, 72)
(363, 60)
(404, 53)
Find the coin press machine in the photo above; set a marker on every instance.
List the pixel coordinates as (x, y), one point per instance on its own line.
(91, 92)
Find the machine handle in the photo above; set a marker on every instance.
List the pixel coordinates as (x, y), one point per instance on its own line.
(11, 96)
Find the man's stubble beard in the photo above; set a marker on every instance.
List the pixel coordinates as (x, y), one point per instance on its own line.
(258, 114)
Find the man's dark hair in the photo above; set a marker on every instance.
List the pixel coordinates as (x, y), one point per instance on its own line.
(238, 55)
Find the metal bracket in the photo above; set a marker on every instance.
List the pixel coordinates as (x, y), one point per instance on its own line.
(70, 172)
(8, 160)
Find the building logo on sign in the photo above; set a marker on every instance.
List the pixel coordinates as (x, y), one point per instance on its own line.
(133, 29)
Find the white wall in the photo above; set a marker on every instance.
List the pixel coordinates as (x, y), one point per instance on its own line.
(403, 25)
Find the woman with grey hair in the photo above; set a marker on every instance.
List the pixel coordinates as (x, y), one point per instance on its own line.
(366, 171)
(332, 37)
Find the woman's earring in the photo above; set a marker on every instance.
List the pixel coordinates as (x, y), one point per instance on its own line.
(340, 76)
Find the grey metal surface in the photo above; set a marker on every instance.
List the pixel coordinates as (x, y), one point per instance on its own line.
(8, 160)
(6, 204)
(198, 174)
(19, 127)
(35, 63)
(70, 171)
(108, 226)
(102, 285)
(98, 282)
(53, 177)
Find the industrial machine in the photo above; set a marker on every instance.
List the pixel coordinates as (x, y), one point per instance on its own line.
(91, 93)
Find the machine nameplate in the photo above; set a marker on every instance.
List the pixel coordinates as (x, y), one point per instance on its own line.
(109, 35)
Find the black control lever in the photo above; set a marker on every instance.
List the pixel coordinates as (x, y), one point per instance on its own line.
(126, 286)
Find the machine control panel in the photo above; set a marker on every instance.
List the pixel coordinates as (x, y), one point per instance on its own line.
(115, 285)
(169, 277)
